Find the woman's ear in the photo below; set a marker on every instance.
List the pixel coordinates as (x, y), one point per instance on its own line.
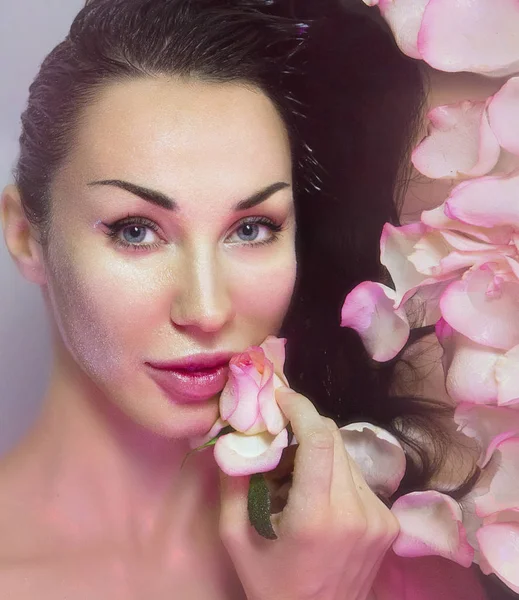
(20, 237)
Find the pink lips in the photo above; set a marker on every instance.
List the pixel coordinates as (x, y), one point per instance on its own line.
(193, 379)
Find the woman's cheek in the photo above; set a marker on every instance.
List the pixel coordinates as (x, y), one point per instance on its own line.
(264, 292)
(99, 310)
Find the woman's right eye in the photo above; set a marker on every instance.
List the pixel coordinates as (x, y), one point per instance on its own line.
(132, 233)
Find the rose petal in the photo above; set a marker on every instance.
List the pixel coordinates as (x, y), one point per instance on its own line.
(272, 416)
(239, 454)
(274, 349)
(485, 424)
(459, 142)
(507, 377)
(368, 309)
(404, 18)
(378, 454)
(430, 525)
(239, 398)
(480, 37)
(396, 245)
(428, 252)
(499, 544)
(503, 114)
(486, 202)
(437, 219)
(503, 468)
(469, 367)
(484, 308)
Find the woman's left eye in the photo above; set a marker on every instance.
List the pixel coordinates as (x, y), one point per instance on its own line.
(256, 231)
(132, 233)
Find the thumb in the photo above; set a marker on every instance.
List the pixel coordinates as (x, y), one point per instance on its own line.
(234, 515)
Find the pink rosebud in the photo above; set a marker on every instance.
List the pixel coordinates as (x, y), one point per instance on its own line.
(248, 404)
(248, 401)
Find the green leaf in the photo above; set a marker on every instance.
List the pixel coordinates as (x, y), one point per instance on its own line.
(224, 431)
(259, 507)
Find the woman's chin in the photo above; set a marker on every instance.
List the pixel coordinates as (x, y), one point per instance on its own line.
(176, 421)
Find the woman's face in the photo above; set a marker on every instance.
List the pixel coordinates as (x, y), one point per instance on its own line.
(187, 271)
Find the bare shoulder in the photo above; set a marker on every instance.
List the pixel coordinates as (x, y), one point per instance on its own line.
(427, 578)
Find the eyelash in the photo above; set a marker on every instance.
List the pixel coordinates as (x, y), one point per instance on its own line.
(114, 229)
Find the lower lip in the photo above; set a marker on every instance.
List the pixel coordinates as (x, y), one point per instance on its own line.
(185, 387)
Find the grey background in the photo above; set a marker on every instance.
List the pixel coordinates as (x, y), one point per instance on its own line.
(29, 29)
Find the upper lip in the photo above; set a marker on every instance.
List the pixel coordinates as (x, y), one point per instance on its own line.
(195, 362)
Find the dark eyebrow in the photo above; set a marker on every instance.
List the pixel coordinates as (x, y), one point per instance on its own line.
(164, 201)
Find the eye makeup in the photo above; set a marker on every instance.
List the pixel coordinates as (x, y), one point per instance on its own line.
(115, 229)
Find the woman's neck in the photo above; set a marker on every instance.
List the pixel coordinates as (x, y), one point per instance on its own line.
(96, 474)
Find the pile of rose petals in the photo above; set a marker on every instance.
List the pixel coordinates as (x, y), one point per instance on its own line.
(479, 36)
(458, 268)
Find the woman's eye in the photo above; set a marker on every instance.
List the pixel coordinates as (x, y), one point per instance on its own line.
(134, 233)
(138, 233)
(256, 232)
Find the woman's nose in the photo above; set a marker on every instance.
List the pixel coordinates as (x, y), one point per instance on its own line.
(202, 300)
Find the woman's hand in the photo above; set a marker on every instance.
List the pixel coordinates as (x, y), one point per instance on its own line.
(333, 532)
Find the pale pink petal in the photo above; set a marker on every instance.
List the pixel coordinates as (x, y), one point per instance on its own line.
(499, 544)
(507, 377)
(484, 308)
(239, 399)
(240, 454)
(460, 261)
(274, 349)
(485, 424)
(514, 265)
(469, 367)
(437, 219)
(506, 516)
(272, 416)
(465, 243)
(428, 252)
(430, 525)
(396, 245)
(503, 113)
(378, 455)
(423, 308)
(503, 468)
(404, 17)
(480, 37)
(368, 309)
(486, 202)
(459, 142)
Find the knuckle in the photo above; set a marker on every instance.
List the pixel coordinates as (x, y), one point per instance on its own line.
(330, 424)
(358, 526)
(384, 528)
(321, 439)
(392, 526)
(352, 526)
(230, 535)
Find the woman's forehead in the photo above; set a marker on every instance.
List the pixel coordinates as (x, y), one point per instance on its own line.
(186, 138)
(156, 123)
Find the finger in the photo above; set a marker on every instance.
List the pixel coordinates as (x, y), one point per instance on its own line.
(234, 517)
(344, 488)
(313, 466)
